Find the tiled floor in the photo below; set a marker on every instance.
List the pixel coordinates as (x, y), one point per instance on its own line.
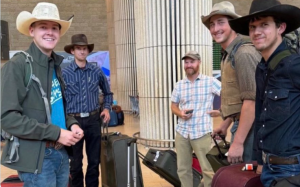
(131, 126)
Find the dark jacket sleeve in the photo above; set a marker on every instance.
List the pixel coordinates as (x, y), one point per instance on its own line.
(13, 94)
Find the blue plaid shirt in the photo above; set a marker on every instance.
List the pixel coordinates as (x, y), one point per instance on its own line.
(82, 88)
(197, 95)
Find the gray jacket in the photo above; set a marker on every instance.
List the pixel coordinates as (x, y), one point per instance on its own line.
(23, 114)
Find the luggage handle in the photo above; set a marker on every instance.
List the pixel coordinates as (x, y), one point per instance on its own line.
(133, 140)
(218, 147)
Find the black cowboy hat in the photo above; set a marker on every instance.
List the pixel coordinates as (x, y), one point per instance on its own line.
(287, 13)
(79, 39)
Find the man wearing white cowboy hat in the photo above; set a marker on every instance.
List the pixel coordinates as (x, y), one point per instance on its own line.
(33, 109)
(277, 119)
(83, 104)
(238, 64)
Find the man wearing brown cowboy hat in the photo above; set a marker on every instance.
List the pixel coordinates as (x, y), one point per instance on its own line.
(82, 90)
(277, 119)
(33, 103)
(238, 64)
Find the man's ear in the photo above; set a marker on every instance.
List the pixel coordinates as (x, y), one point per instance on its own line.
(282, 28)
(31, 31)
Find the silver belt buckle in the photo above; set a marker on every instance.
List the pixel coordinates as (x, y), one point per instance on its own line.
(264, 155)
(84, 115)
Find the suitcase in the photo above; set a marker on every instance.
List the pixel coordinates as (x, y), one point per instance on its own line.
(196, 164)
(119, 160)
(12, 181)
(164, 163)
(216, 156)
(233, 176)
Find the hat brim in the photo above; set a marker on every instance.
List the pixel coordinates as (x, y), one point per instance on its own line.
(225, 12)
(287, 13)
(68, 48)
(25, 19)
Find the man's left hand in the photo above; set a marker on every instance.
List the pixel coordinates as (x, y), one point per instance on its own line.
(235, 153)
(105, 115)
(77, 131)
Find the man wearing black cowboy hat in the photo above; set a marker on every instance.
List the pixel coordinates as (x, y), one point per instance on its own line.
(277, 119)
(82, 89)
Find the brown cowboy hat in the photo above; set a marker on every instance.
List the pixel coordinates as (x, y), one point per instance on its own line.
(287, 13)
(79, 39)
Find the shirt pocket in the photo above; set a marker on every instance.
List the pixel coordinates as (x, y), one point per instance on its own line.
(93, 85)
(278, 104)
(72, 88)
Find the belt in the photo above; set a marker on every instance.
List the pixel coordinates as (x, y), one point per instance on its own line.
(84, 115)
(277, 160)
(54, 145)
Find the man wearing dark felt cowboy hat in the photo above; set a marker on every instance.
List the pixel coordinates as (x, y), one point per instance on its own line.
(277, 119)
(83, 81)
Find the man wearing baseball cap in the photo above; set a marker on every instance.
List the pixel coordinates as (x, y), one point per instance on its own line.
(191, 98)
(277, 107)
(238, 64)
(33, 103)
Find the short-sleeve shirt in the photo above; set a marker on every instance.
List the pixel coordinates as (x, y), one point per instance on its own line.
(197, 95)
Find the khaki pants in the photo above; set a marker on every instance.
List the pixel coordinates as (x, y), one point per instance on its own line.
(184, 150)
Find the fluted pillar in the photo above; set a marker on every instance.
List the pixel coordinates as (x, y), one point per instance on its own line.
(165, 31)
(112, 47)
(125, 51)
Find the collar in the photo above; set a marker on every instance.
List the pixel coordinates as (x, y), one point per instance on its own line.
(74, 66)
(280, 48)
(186, 80)
(237, 39)
(40, 58)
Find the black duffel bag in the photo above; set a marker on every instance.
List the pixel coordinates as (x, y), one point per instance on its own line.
(216, 156)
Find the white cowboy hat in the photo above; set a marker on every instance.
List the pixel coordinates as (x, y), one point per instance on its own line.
(223, 8)
(42, 11)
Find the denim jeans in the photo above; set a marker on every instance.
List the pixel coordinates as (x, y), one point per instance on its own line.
(55, 170)
(92, 137)
(271, 172)
(248, 144)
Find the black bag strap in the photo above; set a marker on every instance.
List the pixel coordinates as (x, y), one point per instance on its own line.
(226, 145)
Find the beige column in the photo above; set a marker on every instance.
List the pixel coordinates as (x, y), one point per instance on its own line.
(125, 51)
(112, 46)
(165, 31)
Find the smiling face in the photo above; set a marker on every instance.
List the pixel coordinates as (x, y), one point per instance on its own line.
(221, 31)
(191, 66)
(46, 35)
(265, 34)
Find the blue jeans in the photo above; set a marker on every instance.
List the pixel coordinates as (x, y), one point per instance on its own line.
(248, 144)
(55, 170)
(271, 172)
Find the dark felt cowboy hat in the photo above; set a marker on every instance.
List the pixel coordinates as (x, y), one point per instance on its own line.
(79, 39)
(287, 13)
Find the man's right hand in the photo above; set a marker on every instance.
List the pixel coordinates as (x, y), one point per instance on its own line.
(185, 116)
(222, 128)
(69, 138)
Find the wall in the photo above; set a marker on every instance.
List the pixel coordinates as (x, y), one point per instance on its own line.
(90, 18)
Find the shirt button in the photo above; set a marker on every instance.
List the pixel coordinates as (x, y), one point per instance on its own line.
(263, 125)
(265, 109)
(275, 97)
(260, 141)
(265, 91)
